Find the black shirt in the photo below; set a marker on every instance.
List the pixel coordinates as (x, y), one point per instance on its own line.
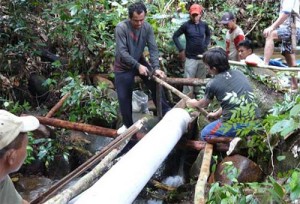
(197, 38)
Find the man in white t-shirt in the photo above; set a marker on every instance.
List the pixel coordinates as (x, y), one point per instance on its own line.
(245, 49)
(281, 30)
(234, 35)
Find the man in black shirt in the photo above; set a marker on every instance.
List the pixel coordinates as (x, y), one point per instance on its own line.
(197, 35)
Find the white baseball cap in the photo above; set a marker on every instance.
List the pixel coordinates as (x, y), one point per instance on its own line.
(11, 126)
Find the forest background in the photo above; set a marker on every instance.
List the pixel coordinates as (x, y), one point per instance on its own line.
(58, 41)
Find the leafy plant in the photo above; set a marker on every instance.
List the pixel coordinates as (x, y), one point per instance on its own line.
(30, 151)
(266, 192)
(14, 107)
(89, 102)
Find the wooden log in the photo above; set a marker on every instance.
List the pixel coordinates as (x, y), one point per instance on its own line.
(87, 180)
(215, 140)
(158, 100)
(197, 145)
(107, 132)
(90, 162)
(192, 144)
(293, 31)
(204, 173)
(181, 81)
(160, 185)
(57, 106)
(274, 68)
(177, 92)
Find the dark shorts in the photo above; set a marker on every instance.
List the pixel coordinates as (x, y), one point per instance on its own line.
(284, 34)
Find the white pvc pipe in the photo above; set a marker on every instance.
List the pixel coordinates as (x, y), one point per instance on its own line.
(125, 180)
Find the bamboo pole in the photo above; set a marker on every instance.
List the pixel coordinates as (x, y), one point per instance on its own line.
(90, 162)
(203, 176)
(78, 126)
(57, 106)
(87, 180)
(274, 68)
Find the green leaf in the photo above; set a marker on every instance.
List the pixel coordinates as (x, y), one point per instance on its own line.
(73, 10)
(281, 158)
(295, 110)
(284, 127)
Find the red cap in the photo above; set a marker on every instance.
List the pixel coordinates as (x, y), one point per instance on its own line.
(196, 9)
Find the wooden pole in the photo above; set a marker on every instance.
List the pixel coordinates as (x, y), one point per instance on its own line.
(84, 182)
(274, 68)
(177, 92)
(203, 176)
(294, 31)
(90, 162)
(180, 81)
(158, 100)
(57, 106)
(78, 126)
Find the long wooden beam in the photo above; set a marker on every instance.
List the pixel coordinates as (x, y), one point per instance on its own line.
(97, 130)
(57, 106)
(274, 68)
(203, 176)
(181, 81)
(177, 92)
(90, 162)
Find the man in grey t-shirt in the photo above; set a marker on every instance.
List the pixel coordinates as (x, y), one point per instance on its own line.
(132, 36)
(225, 84)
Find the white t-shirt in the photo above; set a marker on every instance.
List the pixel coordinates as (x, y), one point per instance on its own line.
(254, 58)
(232, 40)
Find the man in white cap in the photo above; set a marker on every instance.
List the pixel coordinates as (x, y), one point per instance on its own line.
(13, 142)
(197, 35)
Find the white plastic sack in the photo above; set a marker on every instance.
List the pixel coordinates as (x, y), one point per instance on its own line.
(139, 102)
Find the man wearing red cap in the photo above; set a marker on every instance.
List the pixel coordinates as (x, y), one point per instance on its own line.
(197, 35)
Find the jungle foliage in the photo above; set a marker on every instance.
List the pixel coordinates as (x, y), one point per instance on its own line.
(61, 39)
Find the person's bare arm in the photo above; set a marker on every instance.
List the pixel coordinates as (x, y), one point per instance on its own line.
(282, 17)
(25, 202)
(193, 103)
(214, 115)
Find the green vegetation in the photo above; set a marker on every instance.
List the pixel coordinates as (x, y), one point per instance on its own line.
(80, 34)
(266, 192)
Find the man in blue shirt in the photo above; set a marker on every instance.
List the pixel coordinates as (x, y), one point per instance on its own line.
(197, 35)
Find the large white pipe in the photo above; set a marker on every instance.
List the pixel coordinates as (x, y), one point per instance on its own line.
(125, 180)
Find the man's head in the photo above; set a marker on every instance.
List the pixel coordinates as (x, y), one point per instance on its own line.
(228, 20)
(216, 59)
(137, 13)
(195, 12)
(245, 48)
(13, 138)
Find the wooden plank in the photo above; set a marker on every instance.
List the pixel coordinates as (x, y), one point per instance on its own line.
(203, 176)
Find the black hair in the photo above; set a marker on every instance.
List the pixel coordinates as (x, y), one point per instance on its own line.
(247, 44)
(137, 7)
(216, 57)
(15, 144)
